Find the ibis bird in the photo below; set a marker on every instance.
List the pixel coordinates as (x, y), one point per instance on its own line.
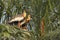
(21, 20)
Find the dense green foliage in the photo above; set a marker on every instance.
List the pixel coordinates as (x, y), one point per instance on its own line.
(13, 33)
(49, 9)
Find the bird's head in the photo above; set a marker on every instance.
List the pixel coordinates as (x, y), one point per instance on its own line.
(29, 17)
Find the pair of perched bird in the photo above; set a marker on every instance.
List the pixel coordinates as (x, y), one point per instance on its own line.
(21, 20)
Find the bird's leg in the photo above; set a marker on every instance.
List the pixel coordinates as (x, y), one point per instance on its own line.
(18, 24)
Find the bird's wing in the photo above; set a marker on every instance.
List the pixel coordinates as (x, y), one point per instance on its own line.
(16, 19)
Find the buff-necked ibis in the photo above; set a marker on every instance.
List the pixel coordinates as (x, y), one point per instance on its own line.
(21, 20)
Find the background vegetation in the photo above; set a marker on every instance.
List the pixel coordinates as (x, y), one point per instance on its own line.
(47, 9)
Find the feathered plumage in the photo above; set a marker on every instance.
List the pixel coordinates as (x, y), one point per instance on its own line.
(18, 17)
(21, 20)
